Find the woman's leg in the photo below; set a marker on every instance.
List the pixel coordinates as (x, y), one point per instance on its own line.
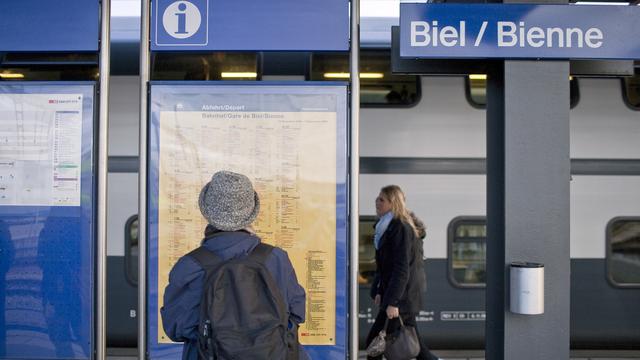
(377, 326)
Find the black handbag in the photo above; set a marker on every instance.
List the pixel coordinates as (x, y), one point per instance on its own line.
(403, 344)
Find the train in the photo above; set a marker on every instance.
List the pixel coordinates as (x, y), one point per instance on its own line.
(428, 135)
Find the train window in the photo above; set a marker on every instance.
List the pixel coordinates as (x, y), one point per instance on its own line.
(210, 66)
(476, 91)
(131, 250)
(366, 251)
(623, 251)
(467, 240)
(378, 87)
(631, 91)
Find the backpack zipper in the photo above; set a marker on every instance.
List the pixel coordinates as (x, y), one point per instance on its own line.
(205, 330)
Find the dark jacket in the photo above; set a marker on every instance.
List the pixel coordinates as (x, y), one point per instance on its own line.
(181, 306)
(400, 277)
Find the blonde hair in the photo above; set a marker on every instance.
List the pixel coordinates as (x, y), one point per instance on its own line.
(396, 197)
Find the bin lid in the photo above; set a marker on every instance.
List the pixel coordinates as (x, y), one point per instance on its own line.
(526, 264)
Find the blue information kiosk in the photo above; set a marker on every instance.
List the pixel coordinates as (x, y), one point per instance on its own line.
(49, 209)
(290, 138)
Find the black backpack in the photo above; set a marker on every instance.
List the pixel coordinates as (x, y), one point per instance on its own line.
(242, 312)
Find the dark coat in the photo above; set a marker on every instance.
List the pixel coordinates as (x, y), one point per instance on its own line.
(181, 306)
(400, 277)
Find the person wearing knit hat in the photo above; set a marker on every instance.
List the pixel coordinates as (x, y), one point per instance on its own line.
(230, 205)
(229, 202)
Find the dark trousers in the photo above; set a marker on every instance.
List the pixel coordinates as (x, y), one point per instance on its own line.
(394, 324)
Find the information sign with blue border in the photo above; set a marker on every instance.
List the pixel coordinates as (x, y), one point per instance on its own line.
(47, 220)
(51, 25)
(219, 25)
(519, 31)
(290, 139)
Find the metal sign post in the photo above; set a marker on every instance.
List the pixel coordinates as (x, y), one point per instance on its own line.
(145, 56)
(103, 153)
(354, 208)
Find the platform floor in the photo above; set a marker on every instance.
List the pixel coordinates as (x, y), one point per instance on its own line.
(130, 354)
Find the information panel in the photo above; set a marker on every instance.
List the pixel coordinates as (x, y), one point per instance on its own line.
(290, 140)
(46, 220)
(221, 25)
(51, 25)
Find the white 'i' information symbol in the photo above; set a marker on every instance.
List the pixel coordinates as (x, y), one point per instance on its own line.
(181, 19)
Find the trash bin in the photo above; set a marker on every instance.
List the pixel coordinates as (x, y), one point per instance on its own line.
(527, 288)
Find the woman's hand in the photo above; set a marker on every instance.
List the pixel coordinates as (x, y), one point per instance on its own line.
(392, 312)
(376, 300)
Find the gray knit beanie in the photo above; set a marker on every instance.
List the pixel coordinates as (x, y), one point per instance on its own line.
(228, 201)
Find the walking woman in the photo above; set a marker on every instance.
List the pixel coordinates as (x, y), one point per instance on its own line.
(400, 281)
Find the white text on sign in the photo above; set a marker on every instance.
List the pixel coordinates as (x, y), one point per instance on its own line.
(509, 34)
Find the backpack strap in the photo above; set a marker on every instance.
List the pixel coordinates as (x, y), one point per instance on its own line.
(205, 258)
(261, 252)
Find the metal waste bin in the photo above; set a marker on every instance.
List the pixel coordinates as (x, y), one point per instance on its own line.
(527, 288)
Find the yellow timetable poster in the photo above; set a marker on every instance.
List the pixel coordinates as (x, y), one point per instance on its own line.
(291, 159)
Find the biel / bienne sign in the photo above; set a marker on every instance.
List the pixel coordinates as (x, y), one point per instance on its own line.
(519, 31)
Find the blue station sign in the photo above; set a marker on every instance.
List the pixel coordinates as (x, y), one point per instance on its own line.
(519, 31)
(51, 25)
(248, 25)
